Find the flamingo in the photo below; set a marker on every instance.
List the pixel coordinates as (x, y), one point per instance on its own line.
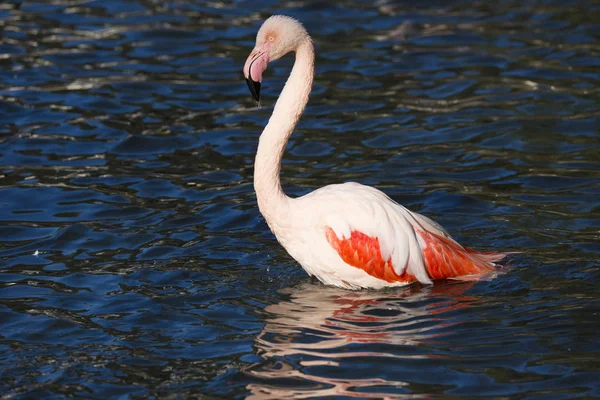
(346, 235)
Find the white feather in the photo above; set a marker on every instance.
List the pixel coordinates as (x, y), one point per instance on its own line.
(339, 225)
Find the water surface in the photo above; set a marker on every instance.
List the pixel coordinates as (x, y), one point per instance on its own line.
(134, 262)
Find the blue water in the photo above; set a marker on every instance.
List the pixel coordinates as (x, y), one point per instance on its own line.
(134, 262)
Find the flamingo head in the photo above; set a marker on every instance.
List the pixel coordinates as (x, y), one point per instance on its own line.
(277, 36)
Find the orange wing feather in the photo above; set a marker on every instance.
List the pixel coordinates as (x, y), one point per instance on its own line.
(362, 251)
(444, 258)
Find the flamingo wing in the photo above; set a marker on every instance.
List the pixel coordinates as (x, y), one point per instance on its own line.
(444, 258)
(364, 252)
(393, 244)
(369, 231)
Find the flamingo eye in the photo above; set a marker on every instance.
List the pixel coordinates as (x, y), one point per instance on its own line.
(271, 38)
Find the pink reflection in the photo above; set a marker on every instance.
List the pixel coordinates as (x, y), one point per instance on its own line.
(313, 331)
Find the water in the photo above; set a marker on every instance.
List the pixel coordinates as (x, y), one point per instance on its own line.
(134, 262)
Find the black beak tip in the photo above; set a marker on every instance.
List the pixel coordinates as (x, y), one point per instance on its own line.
(254, 88)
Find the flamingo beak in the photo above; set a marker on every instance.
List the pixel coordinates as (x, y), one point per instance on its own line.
(253, 70)
(254, 88)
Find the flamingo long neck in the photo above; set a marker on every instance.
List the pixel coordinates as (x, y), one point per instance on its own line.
(272, 201)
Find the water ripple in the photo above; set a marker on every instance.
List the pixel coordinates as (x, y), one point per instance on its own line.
(133, 259)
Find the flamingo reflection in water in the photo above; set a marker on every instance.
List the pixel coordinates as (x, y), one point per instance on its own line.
(309, 341)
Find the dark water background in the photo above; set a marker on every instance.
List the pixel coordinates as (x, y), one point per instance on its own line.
(134, 262)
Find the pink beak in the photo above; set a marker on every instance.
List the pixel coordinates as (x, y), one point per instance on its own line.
(254, 68)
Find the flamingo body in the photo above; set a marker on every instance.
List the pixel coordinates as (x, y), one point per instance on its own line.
(347, 235)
